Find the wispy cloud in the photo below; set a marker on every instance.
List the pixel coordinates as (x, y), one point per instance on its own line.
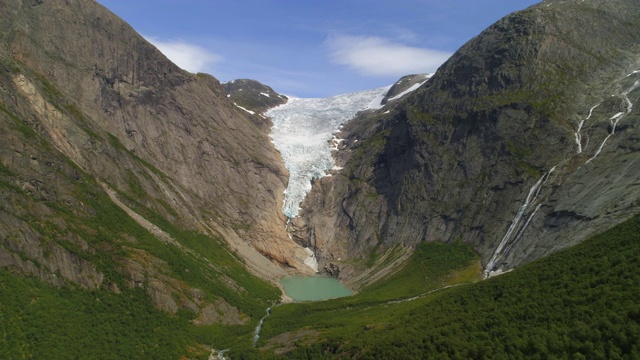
(190, 57)
(375, 56)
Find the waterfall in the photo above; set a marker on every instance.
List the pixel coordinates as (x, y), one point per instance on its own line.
(615, 119)
(509, 240)
(515, 223)
(578, 134)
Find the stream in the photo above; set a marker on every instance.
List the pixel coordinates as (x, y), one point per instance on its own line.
(256, 333)
(306, 288)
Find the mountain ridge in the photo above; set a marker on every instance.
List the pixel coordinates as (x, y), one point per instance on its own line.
(478, 121)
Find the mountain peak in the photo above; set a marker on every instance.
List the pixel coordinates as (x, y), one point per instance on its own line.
(253, 95)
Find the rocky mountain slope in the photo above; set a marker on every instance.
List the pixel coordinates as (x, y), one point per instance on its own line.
(524, 142)
(101, 136)
(253, 95)
(127, 183)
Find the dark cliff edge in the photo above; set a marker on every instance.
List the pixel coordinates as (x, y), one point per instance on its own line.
(502, 148)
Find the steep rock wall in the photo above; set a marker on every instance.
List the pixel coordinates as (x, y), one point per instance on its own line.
(457, 160)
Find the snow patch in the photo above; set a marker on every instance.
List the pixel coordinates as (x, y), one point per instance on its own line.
(376, 103)
(411, 89)
(247, 110)
(335, 143)
(633, 72)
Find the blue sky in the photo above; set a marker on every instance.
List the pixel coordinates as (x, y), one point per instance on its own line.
(311, 48)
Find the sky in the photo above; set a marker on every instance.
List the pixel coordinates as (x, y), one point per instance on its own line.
(311, 48)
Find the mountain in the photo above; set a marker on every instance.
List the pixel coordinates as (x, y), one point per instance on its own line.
(524, 142)
(141, 212)
(121, 171)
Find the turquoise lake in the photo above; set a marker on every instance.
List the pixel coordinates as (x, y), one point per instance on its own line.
(313, 288)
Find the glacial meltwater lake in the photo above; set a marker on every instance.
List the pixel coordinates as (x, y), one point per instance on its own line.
(313, 288)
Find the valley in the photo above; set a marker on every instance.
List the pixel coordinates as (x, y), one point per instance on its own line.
(150, 212)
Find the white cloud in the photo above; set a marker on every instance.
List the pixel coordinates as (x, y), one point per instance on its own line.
(190, 57)
(374, 56)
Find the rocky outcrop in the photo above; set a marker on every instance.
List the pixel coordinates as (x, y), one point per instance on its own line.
(253, 95)
(21, 249)
(493, 150)
(220, 312)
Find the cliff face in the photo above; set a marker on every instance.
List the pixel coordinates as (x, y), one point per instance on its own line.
(90, 109)
(502, 148)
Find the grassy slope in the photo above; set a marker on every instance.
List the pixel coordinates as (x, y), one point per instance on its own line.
(39, 321)
(579, 303)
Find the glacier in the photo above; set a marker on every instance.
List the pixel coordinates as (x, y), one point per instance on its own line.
(302, 132)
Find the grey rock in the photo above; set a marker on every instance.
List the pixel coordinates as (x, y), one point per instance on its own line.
(456, 159)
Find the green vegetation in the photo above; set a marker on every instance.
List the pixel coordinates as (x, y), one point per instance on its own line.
(18, 125)
(427, 270)
(518, 152)
(111, 223)
(42, 322)
(581, 303)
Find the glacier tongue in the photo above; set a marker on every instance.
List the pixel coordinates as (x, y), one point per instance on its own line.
(302, 132)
